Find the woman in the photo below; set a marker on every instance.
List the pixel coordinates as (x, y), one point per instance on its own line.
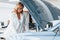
(19, 18)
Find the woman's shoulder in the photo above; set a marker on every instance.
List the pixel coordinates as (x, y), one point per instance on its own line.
(25, 13)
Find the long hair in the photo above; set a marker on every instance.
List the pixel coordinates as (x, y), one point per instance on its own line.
(15, 9)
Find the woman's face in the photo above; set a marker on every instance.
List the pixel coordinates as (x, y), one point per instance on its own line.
(19, 8)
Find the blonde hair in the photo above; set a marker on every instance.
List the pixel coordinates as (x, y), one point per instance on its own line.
(19, 3)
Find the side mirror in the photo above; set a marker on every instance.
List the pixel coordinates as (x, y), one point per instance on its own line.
(2, 38)
(3, 25)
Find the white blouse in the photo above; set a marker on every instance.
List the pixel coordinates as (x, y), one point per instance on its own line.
(18, 24)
